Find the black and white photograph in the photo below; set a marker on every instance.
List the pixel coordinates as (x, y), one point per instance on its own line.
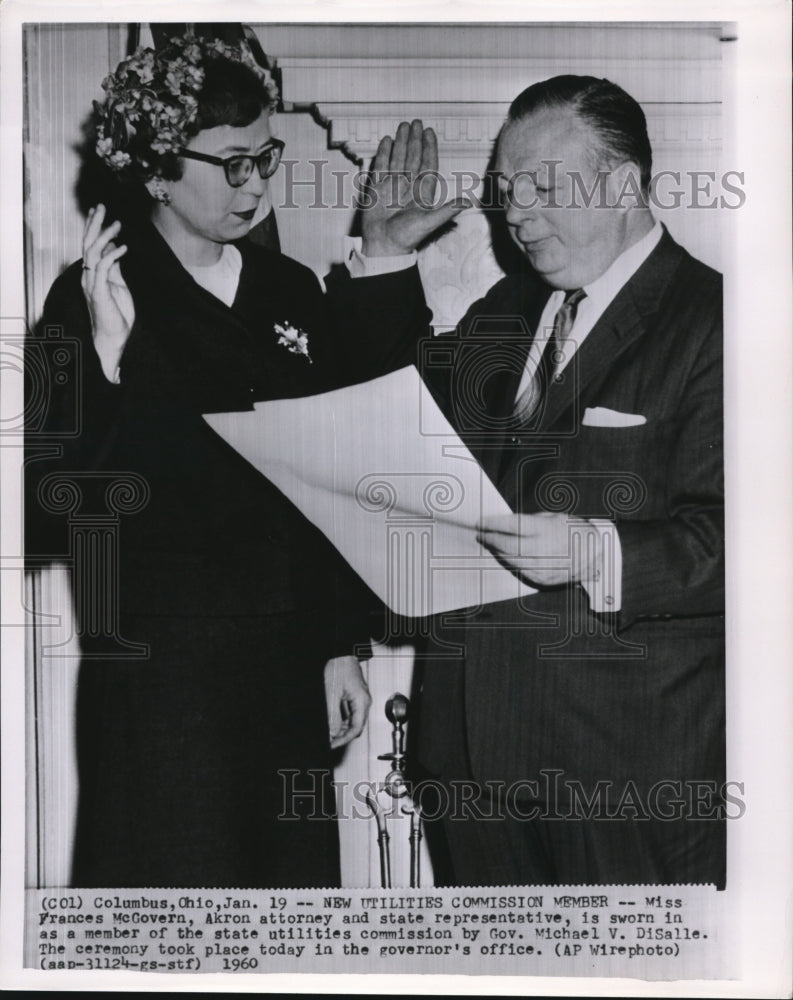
(392, 550)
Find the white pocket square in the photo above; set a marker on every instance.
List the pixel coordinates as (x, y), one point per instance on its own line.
(601, 416)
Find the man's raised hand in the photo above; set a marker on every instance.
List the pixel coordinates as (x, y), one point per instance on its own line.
(398, 203)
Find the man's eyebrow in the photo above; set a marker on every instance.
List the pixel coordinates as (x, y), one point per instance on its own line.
(509, 180)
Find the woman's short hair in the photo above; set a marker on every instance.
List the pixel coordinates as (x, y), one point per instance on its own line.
(231, 94)
(616, 121)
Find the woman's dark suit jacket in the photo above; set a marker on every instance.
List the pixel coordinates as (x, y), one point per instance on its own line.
(239, 599)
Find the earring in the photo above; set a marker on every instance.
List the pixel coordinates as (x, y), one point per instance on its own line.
(159, 191)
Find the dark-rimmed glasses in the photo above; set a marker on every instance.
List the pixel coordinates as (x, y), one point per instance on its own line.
(238, 168)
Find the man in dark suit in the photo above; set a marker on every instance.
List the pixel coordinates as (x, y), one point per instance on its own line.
(577, 736)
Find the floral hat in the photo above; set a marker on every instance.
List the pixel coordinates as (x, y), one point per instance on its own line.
(151, 101)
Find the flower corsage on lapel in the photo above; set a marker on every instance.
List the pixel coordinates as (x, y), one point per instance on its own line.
(294, 340)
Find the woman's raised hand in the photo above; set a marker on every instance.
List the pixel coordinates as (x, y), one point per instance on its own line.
(398, 202)
(109, 300)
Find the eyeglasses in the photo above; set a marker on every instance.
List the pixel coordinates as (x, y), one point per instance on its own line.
(239, 168)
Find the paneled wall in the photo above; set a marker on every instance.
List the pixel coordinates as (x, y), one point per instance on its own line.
(344, 86)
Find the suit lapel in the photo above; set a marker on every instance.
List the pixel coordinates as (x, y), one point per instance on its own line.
(620, 326)
(185, 339)
(160, 279)
(613, 333)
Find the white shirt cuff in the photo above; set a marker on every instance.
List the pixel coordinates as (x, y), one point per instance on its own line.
(605, 588)
(360, 266)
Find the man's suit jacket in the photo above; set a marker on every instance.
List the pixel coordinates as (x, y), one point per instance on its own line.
(546, 684)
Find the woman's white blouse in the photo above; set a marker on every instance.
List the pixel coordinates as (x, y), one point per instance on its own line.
(221, 278)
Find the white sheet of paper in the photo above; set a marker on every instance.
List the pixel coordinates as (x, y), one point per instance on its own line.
(379, 469)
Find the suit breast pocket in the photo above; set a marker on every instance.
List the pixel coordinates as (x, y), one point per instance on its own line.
(613, 472)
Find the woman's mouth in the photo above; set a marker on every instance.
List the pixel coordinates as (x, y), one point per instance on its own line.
(247, 215)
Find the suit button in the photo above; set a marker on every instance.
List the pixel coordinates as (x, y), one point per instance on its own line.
(515, 440)
(558, 378)
(609, 599)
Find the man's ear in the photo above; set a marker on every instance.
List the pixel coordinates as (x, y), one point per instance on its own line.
(625, 187)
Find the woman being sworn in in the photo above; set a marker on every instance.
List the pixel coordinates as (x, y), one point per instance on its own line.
(207, 762)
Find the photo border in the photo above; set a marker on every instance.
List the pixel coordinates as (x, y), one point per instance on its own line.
(758, 383)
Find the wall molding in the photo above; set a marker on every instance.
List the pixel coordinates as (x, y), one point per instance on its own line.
(467, 131)
(661, 78)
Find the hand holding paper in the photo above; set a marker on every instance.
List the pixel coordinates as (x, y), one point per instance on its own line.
(545, 549)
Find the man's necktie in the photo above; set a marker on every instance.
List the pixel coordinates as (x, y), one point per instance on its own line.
(528, 402)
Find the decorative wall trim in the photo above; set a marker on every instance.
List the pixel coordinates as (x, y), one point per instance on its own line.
(666, 78)
(470, 130)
